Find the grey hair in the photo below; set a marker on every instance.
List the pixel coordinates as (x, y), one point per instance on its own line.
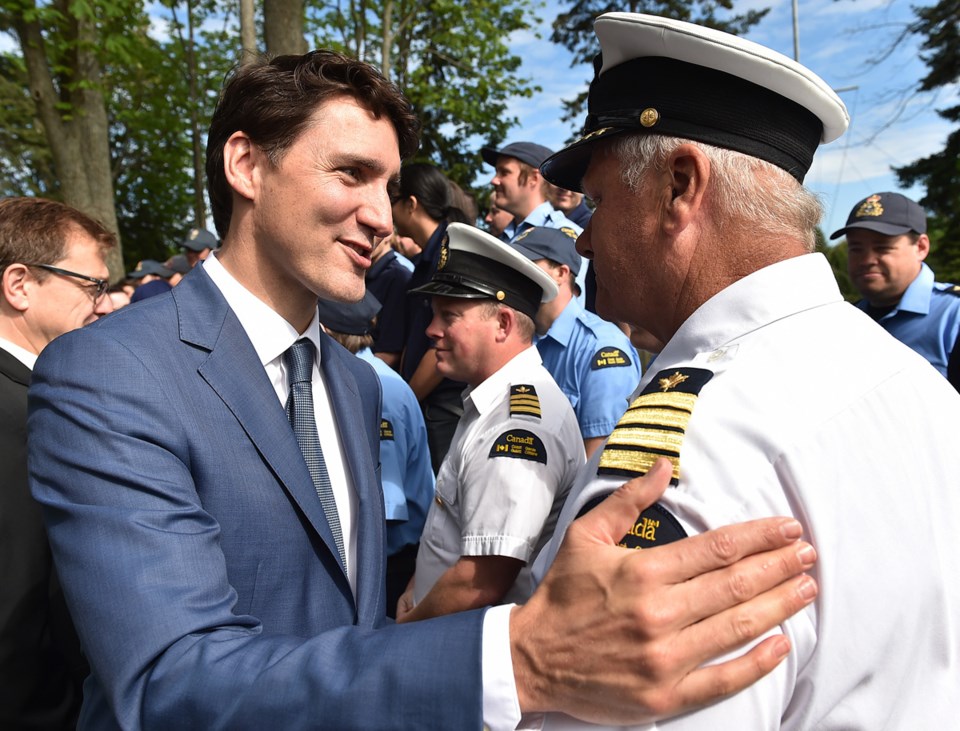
(525, 325)
(750, 193)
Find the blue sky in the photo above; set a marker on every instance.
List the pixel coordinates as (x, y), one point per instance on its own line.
(840, 40)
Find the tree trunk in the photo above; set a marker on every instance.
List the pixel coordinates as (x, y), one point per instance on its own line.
(199, 204)
(283, 27)
(248, 32)
(79, 144)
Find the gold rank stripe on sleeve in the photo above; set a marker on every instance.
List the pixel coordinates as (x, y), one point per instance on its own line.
(524, 400)
(655, 424)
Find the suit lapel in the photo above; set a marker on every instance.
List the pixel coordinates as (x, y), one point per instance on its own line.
(235, 373)
(14, 369)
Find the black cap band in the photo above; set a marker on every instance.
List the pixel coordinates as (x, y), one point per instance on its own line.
(666, 96)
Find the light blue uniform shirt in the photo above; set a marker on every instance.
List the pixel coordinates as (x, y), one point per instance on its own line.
(927, 318)
(549, 217)
(406, 474)
(594, 364)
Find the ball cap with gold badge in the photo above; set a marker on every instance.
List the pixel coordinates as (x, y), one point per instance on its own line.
(660, 76)
(475, 265)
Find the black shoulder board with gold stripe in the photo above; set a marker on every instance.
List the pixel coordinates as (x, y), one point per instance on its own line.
(609, 358)
(655, 424)
(656, 526)
(386, 430)
(519, 444)
(524, 401)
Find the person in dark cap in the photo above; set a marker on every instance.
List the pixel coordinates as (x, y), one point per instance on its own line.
(519, 189)
(405, 471)
(180, 266)
(153, 278)
(694, 150)
(197, 245)
(149, 270)
(517, 448)
(591, 359)
(887, 243)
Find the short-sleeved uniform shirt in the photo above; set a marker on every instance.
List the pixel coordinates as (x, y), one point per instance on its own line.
(861, 450)
(514, 456)
(927, 318)
(594, 364)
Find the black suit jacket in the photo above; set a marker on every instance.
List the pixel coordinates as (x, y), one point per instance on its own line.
(41, 667)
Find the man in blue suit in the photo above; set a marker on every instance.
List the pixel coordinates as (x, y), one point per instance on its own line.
(218, 581)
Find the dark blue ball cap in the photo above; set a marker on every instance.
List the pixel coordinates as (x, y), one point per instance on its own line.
(198, 239)
(529, 152)
(556, 244)
(889, 214)
(349, 318)
(150, 266)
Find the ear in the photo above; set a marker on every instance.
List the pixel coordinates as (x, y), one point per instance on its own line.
(15, 285)
(688, 173)
(535, 181)
(412, 203)
(240, 160)
(923, 247)
(506, 322)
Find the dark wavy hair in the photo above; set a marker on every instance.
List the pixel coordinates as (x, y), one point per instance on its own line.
(272, 101)
(433, 191)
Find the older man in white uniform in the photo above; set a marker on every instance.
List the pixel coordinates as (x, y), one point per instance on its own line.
(517, 448)
(861, 448)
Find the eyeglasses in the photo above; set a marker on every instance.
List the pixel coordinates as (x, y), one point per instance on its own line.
(102, 284)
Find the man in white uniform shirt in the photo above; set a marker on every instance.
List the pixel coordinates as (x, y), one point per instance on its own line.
(694, 151)
(517, 448)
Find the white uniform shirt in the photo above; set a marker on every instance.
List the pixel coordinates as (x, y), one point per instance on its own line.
(813, 411)
(513, 458)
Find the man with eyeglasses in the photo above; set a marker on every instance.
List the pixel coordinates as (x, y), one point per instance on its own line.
(53, 278)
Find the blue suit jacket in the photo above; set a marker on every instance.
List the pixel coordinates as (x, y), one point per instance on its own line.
(194, 553)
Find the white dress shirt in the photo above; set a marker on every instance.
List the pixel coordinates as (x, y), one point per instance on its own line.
(271, 336)
(21, 354)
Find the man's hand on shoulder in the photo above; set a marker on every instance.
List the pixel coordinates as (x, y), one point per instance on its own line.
(619, 636)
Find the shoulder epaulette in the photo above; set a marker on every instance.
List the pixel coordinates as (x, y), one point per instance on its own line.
(524, 401)
(655, 424)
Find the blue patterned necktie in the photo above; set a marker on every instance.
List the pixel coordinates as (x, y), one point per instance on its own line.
(298, 360)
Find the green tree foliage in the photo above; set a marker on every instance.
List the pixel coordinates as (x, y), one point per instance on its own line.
(451, 58)
(939, 24)
(573, 29)
(837, 256)
(157, 98)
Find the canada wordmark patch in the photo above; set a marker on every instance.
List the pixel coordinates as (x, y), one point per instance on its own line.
(656, 526)
(609, 358)
(519, 444)
(386, 430)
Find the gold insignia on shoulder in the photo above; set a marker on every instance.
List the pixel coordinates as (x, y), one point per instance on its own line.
(524, 400)
(671, 381)
(870, 207)
(649, 117)
(569, 232)
(444, 253)
(655, 425)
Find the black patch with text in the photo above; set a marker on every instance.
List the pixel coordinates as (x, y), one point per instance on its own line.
(519, 444)
(609, 358)
(386, 430)
(656, 526)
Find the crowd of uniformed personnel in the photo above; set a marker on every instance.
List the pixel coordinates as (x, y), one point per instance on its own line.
(500, 379)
